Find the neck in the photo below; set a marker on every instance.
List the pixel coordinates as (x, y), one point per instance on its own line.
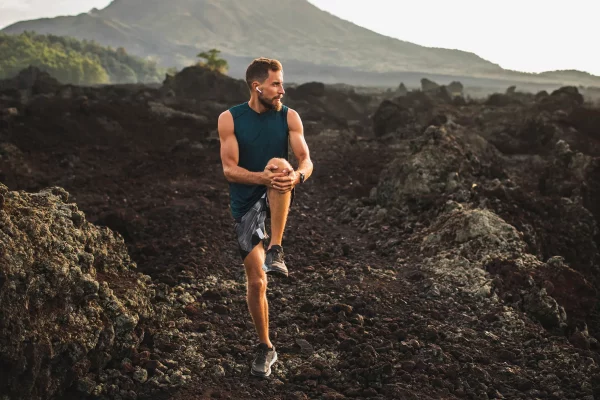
(256, 105)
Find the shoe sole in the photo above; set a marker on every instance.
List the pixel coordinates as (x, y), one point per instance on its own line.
(278, 272)
(275, 270)
(268, 371)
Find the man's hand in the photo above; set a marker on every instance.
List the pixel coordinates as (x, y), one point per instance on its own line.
(270, 173)
(285, 182)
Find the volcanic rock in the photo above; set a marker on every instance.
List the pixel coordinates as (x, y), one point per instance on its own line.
(200, 83)
(586, 120)
(424, 262)
(465, 244)
(455, 88)
(70, 300)
(390, 116)
(308, 90)
(401, 90)
(439, 163)
(429, 85)
(565, 98)
(31, 81)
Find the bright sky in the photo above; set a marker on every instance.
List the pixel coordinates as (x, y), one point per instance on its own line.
(524, 35)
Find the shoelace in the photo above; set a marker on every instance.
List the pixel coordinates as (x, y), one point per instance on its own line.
(278, 252)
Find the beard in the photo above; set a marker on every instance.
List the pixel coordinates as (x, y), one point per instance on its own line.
(270, 104)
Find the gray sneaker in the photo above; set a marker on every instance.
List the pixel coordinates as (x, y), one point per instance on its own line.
(274, 263)
(265, 357)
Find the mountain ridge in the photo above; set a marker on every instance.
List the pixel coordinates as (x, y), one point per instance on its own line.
(174, 33)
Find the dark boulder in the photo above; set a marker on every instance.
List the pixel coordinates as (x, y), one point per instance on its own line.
(200, 83)
(390, 116)
(310, 89)
(31, 80)
(566, 98)
(428, 85)
(440, 164)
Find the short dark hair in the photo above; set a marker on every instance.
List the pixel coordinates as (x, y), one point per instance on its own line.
(259, 69)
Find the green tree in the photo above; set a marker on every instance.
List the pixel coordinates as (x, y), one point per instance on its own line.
(94, 73)
(213, 62)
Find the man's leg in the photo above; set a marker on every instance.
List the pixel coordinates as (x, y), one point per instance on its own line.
(257, 304)
(279, 204)
(257, 292)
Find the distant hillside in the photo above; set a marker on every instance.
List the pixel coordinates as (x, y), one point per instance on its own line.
(571, 74)
(73, 61)
(173, 31)
(295, 31)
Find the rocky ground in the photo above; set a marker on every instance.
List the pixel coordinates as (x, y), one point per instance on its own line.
(444, 248)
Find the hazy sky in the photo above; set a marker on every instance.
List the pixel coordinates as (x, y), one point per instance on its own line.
(524, 35)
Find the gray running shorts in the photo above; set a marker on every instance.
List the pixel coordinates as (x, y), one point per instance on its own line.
(250, 229)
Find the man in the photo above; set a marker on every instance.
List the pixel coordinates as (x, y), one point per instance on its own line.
(254, 149)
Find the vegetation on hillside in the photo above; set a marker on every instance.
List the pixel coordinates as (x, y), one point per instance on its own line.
(69, 60)
(213, 62)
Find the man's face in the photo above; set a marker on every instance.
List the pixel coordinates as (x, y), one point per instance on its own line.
(272, 91)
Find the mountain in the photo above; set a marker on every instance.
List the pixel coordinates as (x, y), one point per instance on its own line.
(294, 31)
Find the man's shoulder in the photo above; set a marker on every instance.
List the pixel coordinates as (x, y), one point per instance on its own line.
(238, 110)
(289, 110)
(291, 114)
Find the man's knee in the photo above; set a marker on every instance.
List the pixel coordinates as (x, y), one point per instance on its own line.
(281, 164)
(257, 285)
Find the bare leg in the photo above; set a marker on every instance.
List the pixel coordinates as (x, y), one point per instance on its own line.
(257, 292)
(266, 317)
(279, 204)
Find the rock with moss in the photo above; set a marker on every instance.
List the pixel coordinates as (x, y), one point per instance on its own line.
(480, 254)
(69, 299)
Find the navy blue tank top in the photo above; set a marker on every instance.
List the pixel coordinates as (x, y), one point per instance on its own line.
(260, 137)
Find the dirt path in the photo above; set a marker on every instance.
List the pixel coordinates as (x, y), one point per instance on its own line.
(357, 320)
(328, 262)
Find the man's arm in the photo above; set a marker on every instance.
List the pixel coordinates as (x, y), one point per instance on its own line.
(299, 146)
(230, 157)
